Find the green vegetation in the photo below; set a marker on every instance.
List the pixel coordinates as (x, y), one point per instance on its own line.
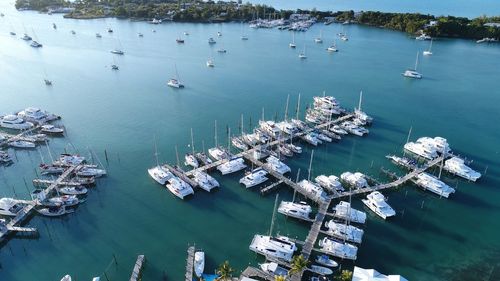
(448, 26)
(299, 263)
(40, 5)
(345, 275)
(225, 271)
(279, 278)
(199, 11)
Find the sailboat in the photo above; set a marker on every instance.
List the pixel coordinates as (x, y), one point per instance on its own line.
(190, 159)
(292, 44)
(276, 247)
(210, 62)
(222, 50)
(303, 55)
(117, 51)
(428, 52)
(35, 43)
(412, 73)
(175, 82)
(319, 39)
(332, 48)
(114, 66)
(243, 36)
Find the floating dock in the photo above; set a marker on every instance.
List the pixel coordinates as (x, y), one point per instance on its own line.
(19, 136)
(12, 225)
(190, 264)
(139, 264)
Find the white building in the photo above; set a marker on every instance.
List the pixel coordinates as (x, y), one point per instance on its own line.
(361, 274)
(299, 17)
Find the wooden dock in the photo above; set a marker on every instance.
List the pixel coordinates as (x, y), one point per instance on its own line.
(136, 272)
(19, 136)
(270, 187)
(41, 182)
(190, 263)
(271, 144)
(399, 181)
(30, 205)
(181, 174)
(312, 236)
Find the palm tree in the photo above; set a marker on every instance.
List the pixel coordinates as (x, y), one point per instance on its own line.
(299, 263)
(345, 275)
(280, 278)
(225, 271)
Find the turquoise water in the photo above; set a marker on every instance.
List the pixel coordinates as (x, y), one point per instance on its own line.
(121, 112)
(462, 8)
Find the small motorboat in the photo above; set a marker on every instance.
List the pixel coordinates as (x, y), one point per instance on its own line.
(55, 211)
(21, 144)
(84, 180)
(114, 67)
(64, 200)
(326, 261)
(199, 263)
(67, 277)
(51, 129)
(77, 190)
(46, 169)
(179, 40)
(117, 52)
(91, 172)
(321, 270)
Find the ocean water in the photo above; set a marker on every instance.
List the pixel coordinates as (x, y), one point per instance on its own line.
(462, 8)
(123, 112)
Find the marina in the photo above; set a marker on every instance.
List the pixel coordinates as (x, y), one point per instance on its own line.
(119, 114)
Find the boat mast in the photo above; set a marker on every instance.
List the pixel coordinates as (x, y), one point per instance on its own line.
(156, 154)
(407, 139)
(416, 62)
(348, 219)
(310, 165)
(177, 156)
(242, 130)
(215, 133)
(442, 163)
(177, 74)
(229, 139)
(274, 215)
(430, 47)
(286, 108)
(360, 99)
(298, 108)
(409, 133)
(192, 140)
(293, 37)
(296, 181)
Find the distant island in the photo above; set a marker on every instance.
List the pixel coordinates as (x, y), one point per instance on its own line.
(158, 11)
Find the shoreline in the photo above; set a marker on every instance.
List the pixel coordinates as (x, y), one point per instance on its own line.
(223, 12)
